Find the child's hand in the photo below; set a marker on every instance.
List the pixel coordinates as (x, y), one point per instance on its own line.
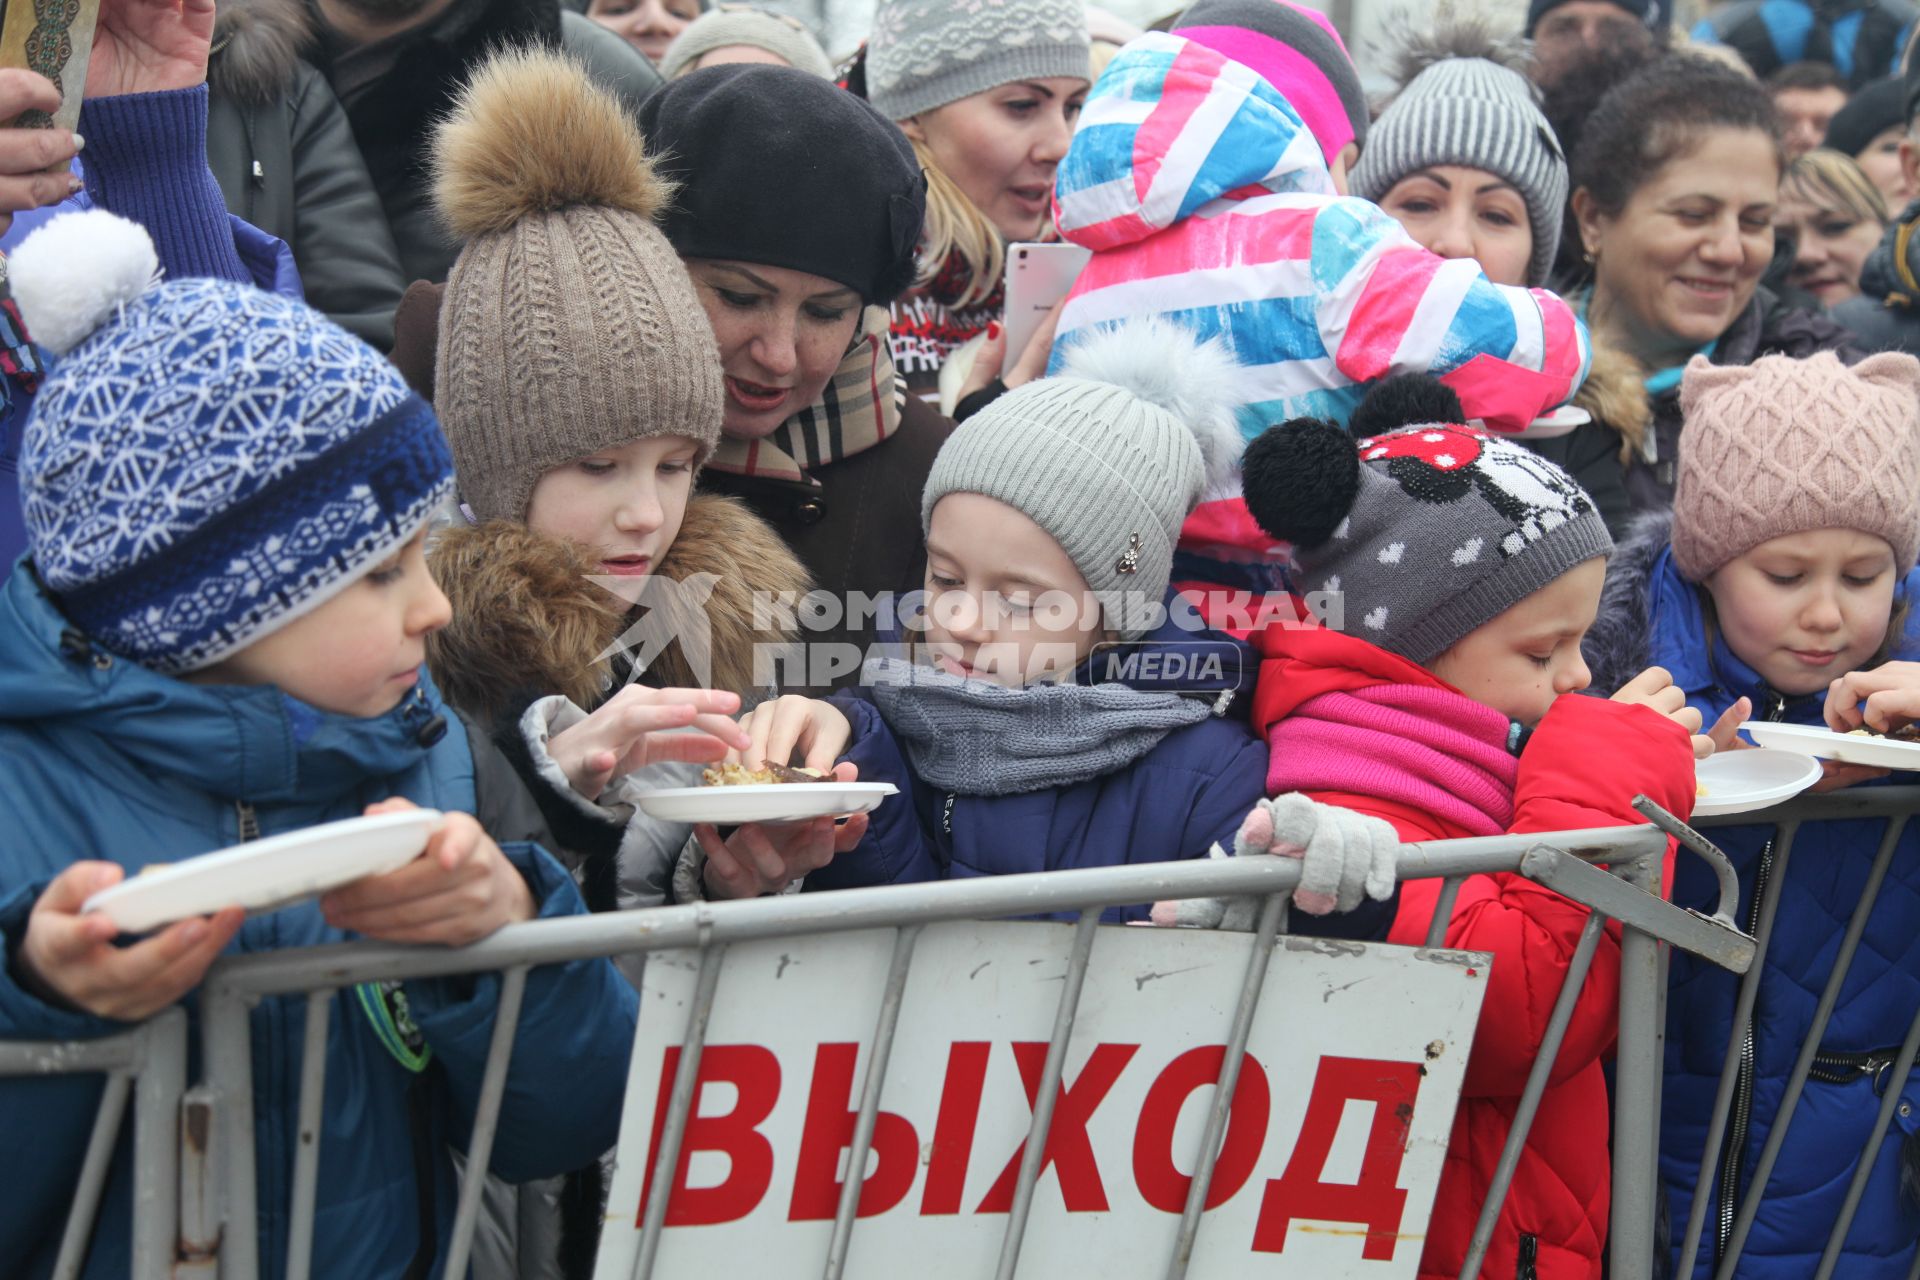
(1654, 688)
(72, 956)
(458, 891)
(766, 857)
(1884, 699)
(777, 729)
(1725, 734)
(639, 726)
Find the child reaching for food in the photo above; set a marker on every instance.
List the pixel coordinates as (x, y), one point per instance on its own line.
(1782, 581)
(1055, 712)
(1468, 569)
(217, 635)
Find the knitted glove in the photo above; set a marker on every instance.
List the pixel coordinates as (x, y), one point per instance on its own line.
(1344, 856)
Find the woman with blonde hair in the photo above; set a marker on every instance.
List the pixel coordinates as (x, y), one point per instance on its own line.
(988, 96)
(1839, 216)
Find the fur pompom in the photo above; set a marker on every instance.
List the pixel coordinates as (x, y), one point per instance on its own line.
(532, 133)
(1300, 480)
(1405, 400)
(1165, 365)
(1465, 36)
(76, 271)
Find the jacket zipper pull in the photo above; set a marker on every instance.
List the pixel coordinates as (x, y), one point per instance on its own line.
(1525, 1264)
(248, 821)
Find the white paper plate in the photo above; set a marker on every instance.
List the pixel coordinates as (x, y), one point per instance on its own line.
(268, 873)
(1554, 425)
(1739, 781)
(1847, 748)
(765, 802)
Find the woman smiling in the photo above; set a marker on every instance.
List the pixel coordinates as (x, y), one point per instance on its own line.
(1839, 216)
(1676, 189)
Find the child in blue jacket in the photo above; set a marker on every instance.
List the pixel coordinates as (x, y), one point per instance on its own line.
(217, 635)
(1782, 578)
(1056, 708)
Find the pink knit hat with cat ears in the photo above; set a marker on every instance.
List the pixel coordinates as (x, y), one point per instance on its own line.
(1783, 446)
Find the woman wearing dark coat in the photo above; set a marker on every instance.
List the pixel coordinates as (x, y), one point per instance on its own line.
(1675, 230)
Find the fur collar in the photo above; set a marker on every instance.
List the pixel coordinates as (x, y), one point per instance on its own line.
(527, 620)
(256, 47)
(1618, 643)
(1615, 393)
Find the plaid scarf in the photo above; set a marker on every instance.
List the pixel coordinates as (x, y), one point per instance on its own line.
(20, 363)
(857, 409)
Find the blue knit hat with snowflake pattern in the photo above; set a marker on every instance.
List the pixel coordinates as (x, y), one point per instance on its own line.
(206, 461)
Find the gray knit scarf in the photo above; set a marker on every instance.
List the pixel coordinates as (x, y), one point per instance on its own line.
(975, 738)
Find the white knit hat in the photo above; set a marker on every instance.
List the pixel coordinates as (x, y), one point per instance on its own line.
(926, 53)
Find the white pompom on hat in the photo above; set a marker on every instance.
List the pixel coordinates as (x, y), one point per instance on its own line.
(76, 271)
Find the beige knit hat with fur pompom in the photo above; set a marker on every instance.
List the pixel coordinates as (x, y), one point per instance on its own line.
(569, 324)
(1785, 446)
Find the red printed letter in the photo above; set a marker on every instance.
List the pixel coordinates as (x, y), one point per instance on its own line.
(829, 1131)
(1374, 1200)
(1161, 1184)
(1068, 1149)
(755, 1072)
(953, 1131)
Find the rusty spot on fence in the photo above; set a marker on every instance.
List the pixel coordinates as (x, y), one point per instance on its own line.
(199, 1122)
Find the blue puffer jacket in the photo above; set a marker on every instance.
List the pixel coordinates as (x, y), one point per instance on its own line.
(1647, 597)
(1174, 802)
(101, 758)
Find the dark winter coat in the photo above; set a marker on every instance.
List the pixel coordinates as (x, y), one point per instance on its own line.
(283, 153)
(1651, 616)
(1886, 315)
(101, 758)
(1862, 39)
(1595, 453)
(393, 119)
(857, 531)
(1190, 791)
(1765, 328)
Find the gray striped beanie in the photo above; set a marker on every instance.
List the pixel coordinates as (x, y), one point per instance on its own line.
(926, 53)
(1480, 115)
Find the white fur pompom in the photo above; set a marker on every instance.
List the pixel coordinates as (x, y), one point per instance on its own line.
(1162, 363)
(76, 271)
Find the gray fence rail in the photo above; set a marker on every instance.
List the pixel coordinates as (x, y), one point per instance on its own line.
(209, 1181)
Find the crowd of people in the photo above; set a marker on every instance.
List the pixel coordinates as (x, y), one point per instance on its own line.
(447, 403)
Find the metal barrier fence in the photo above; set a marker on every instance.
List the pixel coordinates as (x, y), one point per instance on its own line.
(1896, 805)
(149, 1065)
(218, 1216)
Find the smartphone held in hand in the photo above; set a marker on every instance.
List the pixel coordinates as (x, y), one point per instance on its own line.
(1038, 276)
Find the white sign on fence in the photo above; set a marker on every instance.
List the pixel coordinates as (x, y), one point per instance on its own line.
(1340, 1118)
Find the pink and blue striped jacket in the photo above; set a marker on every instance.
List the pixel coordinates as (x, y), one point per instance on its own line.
(1206, 200)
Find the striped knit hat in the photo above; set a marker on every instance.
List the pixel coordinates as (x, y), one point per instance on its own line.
(1479, 115)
